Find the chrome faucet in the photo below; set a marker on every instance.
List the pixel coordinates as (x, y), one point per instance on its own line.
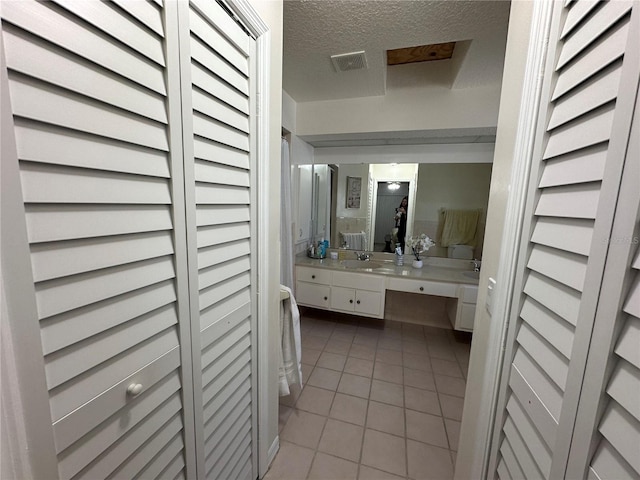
(363, 256)
(476, 265)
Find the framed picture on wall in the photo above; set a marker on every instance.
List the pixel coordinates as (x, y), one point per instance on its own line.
(354, 190)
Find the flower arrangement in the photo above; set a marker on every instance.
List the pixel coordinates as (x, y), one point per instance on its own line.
(419, 244)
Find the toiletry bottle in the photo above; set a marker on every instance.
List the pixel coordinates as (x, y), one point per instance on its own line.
(399, 255)
(321, 251)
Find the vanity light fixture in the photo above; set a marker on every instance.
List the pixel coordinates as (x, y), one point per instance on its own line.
(393, 185)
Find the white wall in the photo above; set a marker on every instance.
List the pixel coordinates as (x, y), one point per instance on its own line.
(288, 112)
(435, 153)
(473, 435)
(420, 108)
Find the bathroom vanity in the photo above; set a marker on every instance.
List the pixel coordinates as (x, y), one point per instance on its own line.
(359, 288)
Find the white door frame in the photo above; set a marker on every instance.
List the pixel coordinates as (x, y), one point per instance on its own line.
(486, 400)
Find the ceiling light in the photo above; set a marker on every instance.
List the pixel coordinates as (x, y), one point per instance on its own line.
(393, 185)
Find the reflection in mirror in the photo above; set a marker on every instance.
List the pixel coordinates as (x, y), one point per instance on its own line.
(390, 224)
(449, 205)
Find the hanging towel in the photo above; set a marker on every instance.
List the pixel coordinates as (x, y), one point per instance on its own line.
(290, 371)
(459, 227)
(356, 241)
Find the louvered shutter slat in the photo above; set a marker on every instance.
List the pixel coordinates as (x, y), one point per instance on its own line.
(535, 407)
(146, 12)
(577, 13)
(547, 390)
(592, 94)
(51, 105)
(510, 460)
(620, 424)
(59, 67)
(577, 167)
(217, 234)
(623, 387)
(71, 327)
(587, 130)
(566, 268)
(603, 52)
(60, 30)
(570, 235)
(80, 454)
(555, 331)
(600, 21)
(47, 144)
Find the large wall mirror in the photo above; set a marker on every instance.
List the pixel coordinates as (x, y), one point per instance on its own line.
(439, 195)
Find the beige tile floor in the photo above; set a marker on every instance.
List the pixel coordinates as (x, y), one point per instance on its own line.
(382, 400)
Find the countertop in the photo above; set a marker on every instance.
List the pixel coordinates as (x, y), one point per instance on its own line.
(434, 269)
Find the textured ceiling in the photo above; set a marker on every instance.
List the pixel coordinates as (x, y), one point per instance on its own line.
(316, 29)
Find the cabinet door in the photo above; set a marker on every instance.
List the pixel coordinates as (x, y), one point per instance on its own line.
(587, 104)
(312, 295)
(368, 303)
(343, 299)
(219, 138)
(95, 173)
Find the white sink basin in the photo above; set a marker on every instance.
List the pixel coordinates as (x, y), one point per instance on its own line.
(475, 275)
(359, 264)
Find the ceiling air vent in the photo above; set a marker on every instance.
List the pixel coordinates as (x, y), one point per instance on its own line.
(349, 61)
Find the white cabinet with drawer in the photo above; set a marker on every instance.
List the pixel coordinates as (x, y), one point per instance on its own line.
(367, 299)
(313, 287)
(335, 290)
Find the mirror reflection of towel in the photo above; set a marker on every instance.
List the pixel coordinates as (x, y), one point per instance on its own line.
(459, 227)
(356, 241)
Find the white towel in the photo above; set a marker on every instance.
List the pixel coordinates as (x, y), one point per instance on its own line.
(356, 241)
(290, 371)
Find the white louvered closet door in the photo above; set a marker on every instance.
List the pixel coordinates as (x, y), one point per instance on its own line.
(88, 83)
(587, 105)
(217, 59)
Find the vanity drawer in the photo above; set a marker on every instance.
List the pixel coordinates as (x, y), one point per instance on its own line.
(423, 286)
(358, 280)
(313, 275)
(313, 295)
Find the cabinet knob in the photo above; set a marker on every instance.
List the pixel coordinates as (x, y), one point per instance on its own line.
(313, 276)
(134, 389)
(325, 298)
(358, 302)
(350, 301)
(422, 289)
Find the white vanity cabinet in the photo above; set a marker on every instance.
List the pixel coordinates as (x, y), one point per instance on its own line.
(313, 287)
(329, 287)
(367, 299)
(462, 312)
(336, 290)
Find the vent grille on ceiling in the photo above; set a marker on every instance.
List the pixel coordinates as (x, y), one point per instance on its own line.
(349, 61)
